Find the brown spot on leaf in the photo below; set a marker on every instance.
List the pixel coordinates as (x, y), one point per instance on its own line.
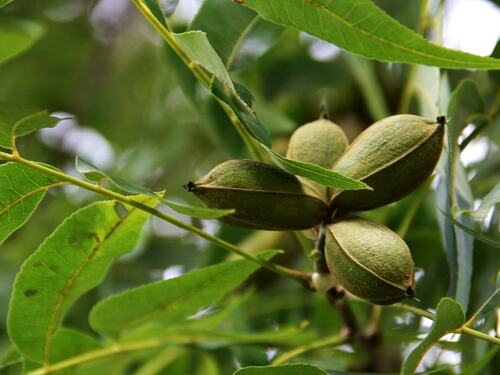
(54, 268)
(73, 241)
(30, 292)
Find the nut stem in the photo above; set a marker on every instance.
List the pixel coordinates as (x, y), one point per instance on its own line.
(335, 297)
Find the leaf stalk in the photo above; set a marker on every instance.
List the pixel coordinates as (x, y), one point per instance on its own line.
(198, 72)
(281, 270)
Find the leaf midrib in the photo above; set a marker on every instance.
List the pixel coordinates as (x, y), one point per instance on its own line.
(64, 292)
(25, 196)
(352, 183)
(399, 46)
(158, 310)
(239, 41)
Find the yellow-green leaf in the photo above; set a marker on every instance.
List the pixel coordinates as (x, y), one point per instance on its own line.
(21, 190)
(364, 29)
(72, 260)
(169, 301)
(16, 36)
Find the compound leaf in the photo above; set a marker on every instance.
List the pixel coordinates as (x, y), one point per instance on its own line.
(92, 173)
(364, 29)
(449, 317)
(490, 305)
(170, 300)
(4, 2)
(71, 261)
(317, 173)
(17, 121)
(290, 369)
(21, 190)
(240, 37)
(16, 36)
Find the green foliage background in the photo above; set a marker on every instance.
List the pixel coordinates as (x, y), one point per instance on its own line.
(116, 77)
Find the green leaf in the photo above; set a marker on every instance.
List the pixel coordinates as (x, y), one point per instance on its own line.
(21, 190)
(171, 300)
(474, 233)
(365, 75)
(446, 226)
(466, 105)
(427, 85)
(168, 6)
(4, 2)
(68, 343)
(218, 338)
(71, 261)
(479, 366)
(495, 75)
(89, 171)
(454, 191)
(161, 360)
(196, 211)
(92, 173)
(208, 365)
(215, 121)
(364, 29)
(13, 368)
(251, 124)
(464, 240)
(449, 317)
(17, 121)
(220, 129)
(130, 188)
(489, 306)
(316, 173)
(16, 36)
(156, 9)
(291, 369)
(444, 94)
(117, 364)
(196, 45)
(9, 358)
(276, 121)
(491, 199)
(240, 37)
(217, 319)
(183, 75)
